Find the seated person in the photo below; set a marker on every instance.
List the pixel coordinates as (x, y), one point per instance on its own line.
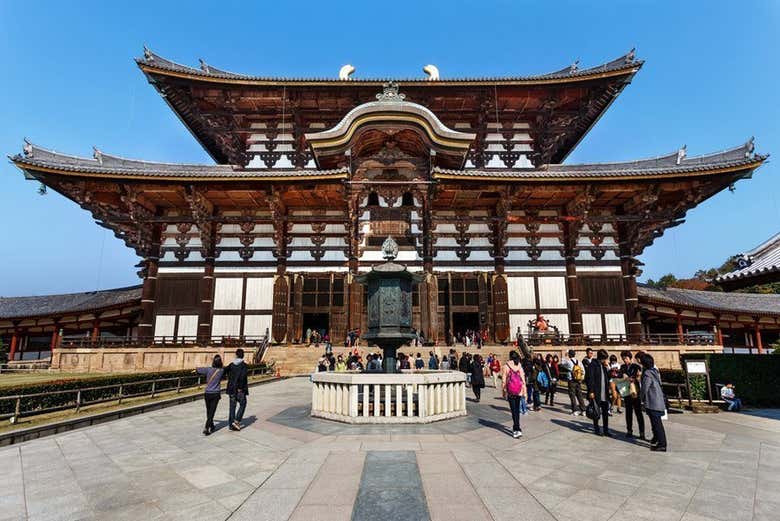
(541, 323)
(727, 393)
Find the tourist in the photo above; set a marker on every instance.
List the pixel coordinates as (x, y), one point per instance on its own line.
(587, 361)
(614, 375)
(728, 396)
(331, 361)
(341, 365)
(433, 363)
(477, 376)
(237, 389)
(536, 387)
(495, 370)
(322, 364)
(419, 363)
(445, 364)
(512, 388)
(213, 376)
(652, 397)
(598, 391)
(551, 370)
(374, 364)
(308, 336)
(633, 404)
(576, 376)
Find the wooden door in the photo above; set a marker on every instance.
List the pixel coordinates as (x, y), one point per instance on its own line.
(280, 309)
(500, 308)
(297, 309)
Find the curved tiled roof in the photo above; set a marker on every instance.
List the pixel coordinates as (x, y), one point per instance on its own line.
(105, 165)
(668, 165)
(748, 303)
(51, 305)
(626, 63)
(764, 259)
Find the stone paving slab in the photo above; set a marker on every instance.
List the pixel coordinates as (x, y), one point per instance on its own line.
(285, 465)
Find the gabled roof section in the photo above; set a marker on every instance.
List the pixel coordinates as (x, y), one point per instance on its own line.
(747, 303)
(48, 305)
(676, 164)
(35, 159)
(151, 62)
(763, 261)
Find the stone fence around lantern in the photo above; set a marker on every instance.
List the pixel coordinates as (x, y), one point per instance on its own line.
(405, 397)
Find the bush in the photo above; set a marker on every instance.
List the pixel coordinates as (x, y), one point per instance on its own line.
(132, 384)
(756, 377)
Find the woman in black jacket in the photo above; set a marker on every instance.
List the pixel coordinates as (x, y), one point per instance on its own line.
(477, 376)
(598, 390)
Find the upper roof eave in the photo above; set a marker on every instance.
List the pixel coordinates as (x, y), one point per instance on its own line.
(154, 64)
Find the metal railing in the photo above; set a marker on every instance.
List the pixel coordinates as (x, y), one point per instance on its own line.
(561, 339)
(80, 397)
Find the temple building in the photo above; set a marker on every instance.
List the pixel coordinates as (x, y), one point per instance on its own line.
(311, 175)
(761, 265)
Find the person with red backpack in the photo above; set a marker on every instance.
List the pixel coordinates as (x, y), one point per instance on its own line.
(512, 388)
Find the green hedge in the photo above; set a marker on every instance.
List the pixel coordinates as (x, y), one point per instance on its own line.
(756, 377)
(133, 384)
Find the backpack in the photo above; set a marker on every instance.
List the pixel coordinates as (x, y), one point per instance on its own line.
(577, 373)
(514, 384)
(543, 380)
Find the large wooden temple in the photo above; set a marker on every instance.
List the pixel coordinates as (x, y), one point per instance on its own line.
(311, 175)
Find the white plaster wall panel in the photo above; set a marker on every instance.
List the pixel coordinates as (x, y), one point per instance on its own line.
(371, 255)
(550, 255)
(535, 269)
(300, 228)
(519, 320)
(521, 124)
(516, 228)
(469, 164)
(495, 162)
(168, 256)
(549, 241)
(244, 269)
(616, 323)
(188, 326)
(259, 293)
(552, 292)
(171, 228)
(334, 228)
(548, 228)
(524, 162)
(225, 325)
(584, 255)
(462, 125)
(407, 256)
(336, 256)
(610, 255)
(256, 162)
(444, 242)
(366, 216)
(263, 228)
(263, 256)
(228, 292)
(229, 256)
(230, 228)
(516, 241)
(480, 255)
(479, 241)
(446, 228)
(521, 292)
(169, 241)
(479, 228)
(549, 213)
(591, 324)
(415, 228)
(302, 212)
(517, 255)
(256, 325)
(609, 241)
(559, 320)
(263, 242)
(230, 242)
(495, 147)
(335, 242)
(300, 256)
(163, 325)
(283, 147)
(446, 255)
(181, 269)
(301, 242)
(599, 269)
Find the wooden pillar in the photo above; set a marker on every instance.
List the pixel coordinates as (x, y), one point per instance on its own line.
(14, 344)
(633, 322)
(680, 332)
(573, 291)
(55, 336)
(206, 307)
(718, 331)
(759, 342)
(148, 296)
(95, 330)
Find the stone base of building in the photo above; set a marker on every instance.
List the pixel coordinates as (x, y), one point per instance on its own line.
(139, 359)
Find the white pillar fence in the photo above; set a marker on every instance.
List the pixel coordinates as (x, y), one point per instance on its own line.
(408, 397)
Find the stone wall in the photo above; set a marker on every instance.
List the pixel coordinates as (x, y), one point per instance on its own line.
(139, 359)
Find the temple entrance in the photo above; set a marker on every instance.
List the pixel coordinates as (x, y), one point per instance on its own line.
(462, 322)
(316, 322)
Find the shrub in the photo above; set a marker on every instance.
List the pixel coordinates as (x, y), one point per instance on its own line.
(756, 377)
(132, 384)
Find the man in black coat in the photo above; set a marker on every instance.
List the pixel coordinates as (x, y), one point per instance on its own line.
(237, 389)
(597, 377)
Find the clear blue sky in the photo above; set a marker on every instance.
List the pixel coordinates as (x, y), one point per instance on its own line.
(69, 82)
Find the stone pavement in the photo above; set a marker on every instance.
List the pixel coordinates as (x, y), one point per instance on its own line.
(285, 465)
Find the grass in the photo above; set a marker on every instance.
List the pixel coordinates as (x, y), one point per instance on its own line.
(14, 379)
(53, 417)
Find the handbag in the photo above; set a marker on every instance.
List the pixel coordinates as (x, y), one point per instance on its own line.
(592, 411)
(633, 390)
(623, 387)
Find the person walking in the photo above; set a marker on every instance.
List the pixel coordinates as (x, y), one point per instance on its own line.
(433, 364)
(551, 370)
(477, 376)
(571, 369)
(419, 363)
(495, 370)
(512, 389)
(237, 390)
(445, 364)
(632, 401)
(598, 391)
(652, 396)
(614, 375)
(211, 396)
(341, 365)
(537, 381)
